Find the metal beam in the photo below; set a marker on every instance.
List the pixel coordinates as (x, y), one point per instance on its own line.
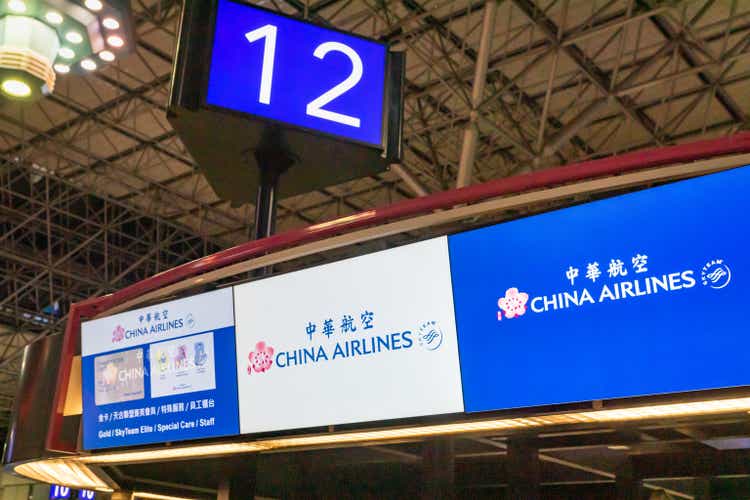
(471, 134)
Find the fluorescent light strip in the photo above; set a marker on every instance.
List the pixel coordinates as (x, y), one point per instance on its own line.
(156, 496)
(172, 453)
(591, 417)
(73, 471)
(65, 472)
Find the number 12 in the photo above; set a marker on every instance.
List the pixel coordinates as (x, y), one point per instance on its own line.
(314, 107)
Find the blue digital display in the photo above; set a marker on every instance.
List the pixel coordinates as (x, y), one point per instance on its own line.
(290, 71)
(641, 294)
(162, 373)
(57, 492)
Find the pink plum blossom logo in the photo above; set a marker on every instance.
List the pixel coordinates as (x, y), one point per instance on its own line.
(261, 359)
(118, 334)
(513, 304)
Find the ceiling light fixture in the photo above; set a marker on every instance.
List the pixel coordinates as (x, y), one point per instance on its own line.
(66, 53)
(115, 41)
(53, 17)
(95, 5)
(17, 6)
(43, 40)
(88, 64)
(16, 88)
(74, 37)
(110, 23)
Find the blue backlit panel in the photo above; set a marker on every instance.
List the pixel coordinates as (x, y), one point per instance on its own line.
(640, 294)
(275, 67)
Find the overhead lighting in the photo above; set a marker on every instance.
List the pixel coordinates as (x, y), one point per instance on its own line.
(40, 40)
(16, 88)
(28, 48)
(110, 23)
(73, 471)
(166, 454)
(88, 64)
(423, 431)
(73, 37)
(66, 53)
(63, 472)
(618, 447)
(53, 17)
(17, 6)
(156, 496)
(94, 5)
(115, 41)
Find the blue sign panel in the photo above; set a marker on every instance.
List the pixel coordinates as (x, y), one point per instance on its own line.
(161, 373)
(57, 492)
(275, 67)
(640, 294)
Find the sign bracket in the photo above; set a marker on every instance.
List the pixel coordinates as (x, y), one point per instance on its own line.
(273, 157)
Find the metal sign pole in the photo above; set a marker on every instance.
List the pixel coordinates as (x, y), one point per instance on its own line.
(273, 159)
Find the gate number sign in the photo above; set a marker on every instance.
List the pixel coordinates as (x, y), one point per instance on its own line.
(290, 71)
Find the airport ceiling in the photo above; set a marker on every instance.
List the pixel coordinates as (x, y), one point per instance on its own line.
(97, 191)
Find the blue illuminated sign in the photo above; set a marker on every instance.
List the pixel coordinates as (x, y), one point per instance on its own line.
(636, 295)
(58, 492)
(275, 67)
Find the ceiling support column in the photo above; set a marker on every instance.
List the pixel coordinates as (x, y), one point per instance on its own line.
(409, 180)
(523, 469)
(438, 462)
(471, 133)
(627, 483)
(239, 483)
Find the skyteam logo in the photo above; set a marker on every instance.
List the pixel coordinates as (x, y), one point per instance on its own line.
(118, 334)
(716, 274)
(430, 336)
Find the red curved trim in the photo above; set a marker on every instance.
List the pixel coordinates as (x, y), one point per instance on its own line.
(54, 440)
(682, 153)
(411, 207)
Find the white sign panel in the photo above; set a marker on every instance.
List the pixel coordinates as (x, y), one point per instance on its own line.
(365, 339)
(168, 320)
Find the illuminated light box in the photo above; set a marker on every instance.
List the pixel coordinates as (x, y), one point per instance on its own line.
(364, 339)
(332, 99)
(153, 374)
(635, 295)
(276, 67)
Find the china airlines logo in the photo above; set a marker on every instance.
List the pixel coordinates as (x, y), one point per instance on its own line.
(261, 359)
(118, 334)
(513, 304)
